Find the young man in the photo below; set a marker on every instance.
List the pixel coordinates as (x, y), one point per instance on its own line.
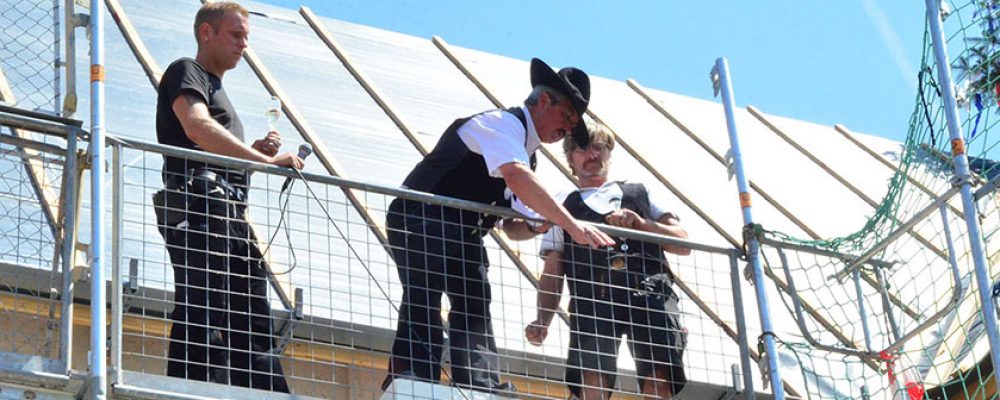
(222, 330)
(624, 291)
(439, 250)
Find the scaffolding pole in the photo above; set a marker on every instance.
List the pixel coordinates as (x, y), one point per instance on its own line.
(98, 311)
(964, 180)
(722, 83)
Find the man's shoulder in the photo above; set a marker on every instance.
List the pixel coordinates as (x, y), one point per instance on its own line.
(499, 118)
(183, 64)
(182, 67)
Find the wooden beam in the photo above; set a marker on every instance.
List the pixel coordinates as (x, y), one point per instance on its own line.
(153, 71)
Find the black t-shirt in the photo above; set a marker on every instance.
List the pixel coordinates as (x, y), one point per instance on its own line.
(187, 76)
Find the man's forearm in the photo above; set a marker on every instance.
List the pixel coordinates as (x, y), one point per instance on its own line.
(212, 137)
(549, 294)
(526, 186)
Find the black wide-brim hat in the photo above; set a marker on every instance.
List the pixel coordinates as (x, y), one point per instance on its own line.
(572, 83)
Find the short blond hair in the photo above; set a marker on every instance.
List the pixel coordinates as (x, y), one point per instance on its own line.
(212, 12)
(595, 132)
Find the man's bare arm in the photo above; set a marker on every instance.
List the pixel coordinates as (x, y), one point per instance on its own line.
(523, 182)
(668, 225)
(207, 133)
(550, 288)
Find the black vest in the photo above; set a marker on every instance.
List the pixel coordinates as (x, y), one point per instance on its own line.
(593, 273)
(452, 170)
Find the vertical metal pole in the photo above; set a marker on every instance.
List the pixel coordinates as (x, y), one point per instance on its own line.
(883, 290)
(721, 71)
(56, 62)
(862, 310)
(69, 221)
(98, 311)
(69, 16)
(741, 328)
(117, 240)
(961, 162)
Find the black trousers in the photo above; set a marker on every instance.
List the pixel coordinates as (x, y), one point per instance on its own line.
(438, 251)
(222, 329)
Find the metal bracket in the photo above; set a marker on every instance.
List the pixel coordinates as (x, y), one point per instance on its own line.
(733, 391)
(730, 165)
(79, 20)
(716, 79)
(959, 180)
(285, 333)
(131, 285)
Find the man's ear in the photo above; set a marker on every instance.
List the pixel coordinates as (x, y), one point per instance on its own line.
(203, 31)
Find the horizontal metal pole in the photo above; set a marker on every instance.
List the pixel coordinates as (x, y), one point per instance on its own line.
(988, 188)
(899, 232)
(231, 162)
(33, 145)
(39, 115)
(821, 252)
(39, 126)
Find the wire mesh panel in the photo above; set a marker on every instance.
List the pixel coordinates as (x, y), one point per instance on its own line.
(31, 277)
(347, 290)
(29, 53)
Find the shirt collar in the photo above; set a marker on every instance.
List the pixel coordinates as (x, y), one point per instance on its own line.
(531, 140)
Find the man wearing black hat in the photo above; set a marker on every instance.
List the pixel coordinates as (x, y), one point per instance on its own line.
(488, 158)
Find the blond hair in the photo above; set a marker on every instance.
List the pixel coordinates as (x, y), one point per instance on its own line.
(595, 132)
(212, 12)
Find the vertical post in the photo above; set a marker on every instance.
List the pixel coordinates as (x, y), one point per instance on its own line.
(117, 240)
(962, 178)
(741, 328)
(98, 299)
(862, 310)
(68, 251)
(69, 16)
(720, 77)
(56, 62)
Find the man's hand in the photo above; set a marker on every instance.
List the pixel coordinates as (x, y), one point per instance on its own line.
(287, 160)
(269, 145)
(588, 235)
(536, 332)
(625, 218)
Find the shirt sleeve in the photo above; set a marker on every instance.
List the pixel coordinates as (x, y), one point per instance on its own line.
(186, 77)
(657, 202)
(498, 136)
(552, 240)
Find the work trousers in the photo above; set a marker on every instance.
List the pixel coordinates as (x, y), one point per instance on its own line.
(222, 329)
(439, 250)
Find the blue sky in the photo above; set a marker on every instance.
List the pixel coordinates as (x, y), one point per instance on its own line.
(851, 62)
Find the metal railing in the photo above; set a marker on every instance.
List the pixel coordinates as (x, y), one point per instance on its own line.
(334, 296)
(39, 203)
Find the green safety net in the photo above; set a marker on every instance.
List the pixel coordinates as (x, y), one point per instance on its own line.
(909, 298)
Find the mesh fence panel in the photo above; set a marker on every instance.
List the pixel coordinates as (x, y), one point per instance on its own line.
(29, 52)
(325, 254)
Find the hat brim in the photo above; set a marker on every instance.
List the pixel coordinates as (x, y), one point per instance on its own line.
(580, 135)
(543, 74)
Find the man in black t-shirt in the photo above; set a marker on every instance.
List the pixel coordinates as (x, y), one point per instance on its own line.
(222, 330)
